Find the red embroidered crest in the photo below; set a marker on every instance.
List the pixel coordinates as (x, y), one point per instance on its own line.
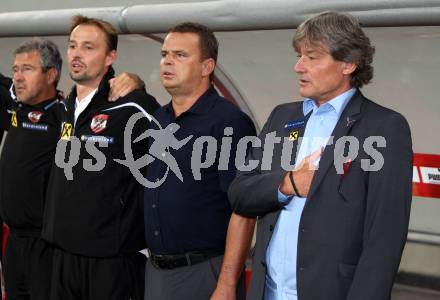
(99, 123)
(34, 116)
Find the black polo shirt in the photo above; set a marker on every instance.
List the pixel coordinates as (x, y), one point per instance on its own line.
(193, 215)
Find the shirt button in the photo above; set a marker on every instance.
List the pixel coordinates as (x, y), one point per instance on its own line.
(163, 154)
(153, 206)
(303, 230)
(156, 232)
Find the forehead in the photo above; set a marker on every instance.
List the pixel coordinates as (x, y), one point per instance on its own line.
(181, 41)
(32, 57)
(306, 46)
(87, 33)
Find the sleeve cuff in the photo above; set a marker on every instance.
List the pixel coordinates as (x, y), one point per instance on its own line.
(283, 198)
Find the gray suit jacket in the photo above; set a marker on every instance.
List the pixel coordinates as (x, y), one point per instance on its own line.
(354, 225)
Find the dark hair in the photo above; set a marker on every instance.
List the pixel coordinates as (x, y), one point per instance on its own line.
(345, 39)
(50, 56)
(110, 32)
(207, 40)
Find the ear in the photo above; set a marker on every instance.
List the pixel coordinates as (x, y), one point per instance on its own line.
(51, 74)
(348, 68)
(208, 66)
(110, 58)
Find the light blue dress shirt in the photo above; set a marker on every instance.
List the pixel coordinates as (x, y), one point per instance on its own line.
(281, 254)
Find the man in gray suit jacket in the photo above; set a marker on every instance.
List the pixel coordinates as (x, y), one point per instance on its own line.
(332, 218)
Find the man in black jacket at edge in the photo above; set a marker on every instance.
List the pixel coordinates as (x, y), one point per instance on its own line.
(5, 82)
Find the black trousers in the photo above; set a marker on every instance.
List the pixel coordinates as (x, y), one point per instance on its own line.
(196, 282)
(27, 267)
(77, 277)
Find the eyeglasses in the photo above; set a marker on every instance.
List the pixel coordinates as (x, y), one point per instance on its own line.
(24, 69)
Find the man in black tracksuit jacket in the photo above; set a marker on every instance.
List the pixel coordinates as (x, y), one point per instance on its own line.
(25, 163)
(33, 125)
(98, 214)
(94, 218)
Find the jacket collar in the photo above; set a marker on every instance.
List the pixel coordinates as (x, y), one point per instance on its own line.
(44, 105)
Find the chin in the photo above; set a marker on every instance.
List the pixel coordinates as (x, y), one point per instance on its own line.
(79, 78)
(306, 94)
(168, 85)
(24, 100)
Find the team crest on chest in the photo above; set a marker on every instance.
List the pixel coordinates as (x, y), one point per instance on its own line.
(99, 123)
(34, 116)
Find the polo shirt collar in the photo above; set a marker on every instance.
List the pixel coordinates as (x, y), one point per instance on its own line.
(202, 105)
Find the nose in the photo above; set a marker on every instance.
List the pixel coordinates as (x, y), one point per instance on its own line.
(299, 66)
(167, 59)
(74, 53)
(18, 75)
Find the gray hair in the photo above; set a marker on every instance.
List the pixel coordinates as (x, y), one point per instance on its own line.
(345, 39)
(50, 56)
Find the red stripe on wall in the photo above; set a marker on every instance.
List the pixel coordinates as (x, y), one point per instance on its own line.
(424, 189)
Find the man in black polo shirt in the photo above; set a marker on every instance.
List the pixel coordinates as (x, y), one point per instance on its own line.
(186, 218)
(94, 216)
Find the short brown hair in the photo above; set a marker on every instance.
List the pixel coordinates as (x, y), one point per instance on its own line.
(207, 41)
(110, 32)
(345, 39)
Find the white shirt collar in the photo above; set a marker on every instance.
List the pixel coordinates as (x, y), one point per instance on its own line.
(80, 106)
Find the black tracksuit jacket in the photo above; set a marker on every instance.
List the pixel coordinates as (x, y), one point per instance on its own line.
(99, 213)
(26, 160)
